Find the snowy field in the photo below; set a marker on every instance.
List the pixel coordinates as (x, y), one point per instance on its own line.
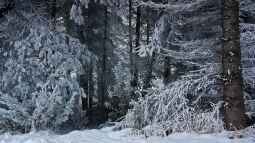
(106, 135)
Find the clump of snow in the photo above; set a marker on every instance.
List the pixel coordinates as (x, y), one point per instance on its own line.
(76, 14)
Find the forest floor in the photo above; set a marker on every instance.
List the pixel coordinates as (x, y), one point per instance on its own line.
(106, 135)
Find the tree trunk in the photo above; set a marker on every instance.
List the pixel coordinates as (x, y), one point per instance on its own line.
(103, 79)
(138, 26)
(148, 78)
(91, 85)
(130, 42)
(90, 80)
(53, 13)
(167, 71)
(90, 91)
(134, 76)
(234, 109)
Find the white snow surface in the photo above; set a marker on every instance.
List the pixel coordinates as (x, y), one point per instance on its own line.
(106, 135)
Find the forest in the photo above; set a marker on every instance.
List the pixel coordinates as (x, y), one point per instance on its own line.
(130, 71)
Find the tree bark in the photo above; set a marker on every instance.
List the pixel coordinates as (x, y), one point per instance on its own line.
(134, 76)
(167, 71)
(130, 38)
(52, 6)
(138, 26)
(54, 13)
(104, 59)
(130, 42)
(151, 58)
(90, 91)
(234, 109)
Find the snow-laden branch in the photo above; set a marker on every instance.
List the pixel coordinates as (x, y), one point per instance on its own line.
(168, 108)
(174, 7)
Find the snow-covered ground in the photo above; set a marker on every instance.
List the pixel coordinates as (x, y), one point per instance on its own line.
(106, 135)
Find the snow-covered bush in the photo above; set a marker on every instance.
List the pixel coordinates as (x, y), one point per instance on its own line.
(168, 108)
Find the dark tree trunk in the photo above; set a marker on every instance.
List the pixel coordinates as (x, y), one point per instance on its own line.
(103, 85)
(84, 37)
(138, 26)
(91, 66)
(52, 6)
(90, 85)
(54, 13)
(133, 68)
(167, 70)
(130, 42)
(134, 76)
(234, 109)
(90, 91)
(149, 75)
(150, 62)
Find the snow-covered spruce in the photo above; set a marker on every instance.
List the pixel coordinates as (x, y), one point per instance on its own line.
(39, 85)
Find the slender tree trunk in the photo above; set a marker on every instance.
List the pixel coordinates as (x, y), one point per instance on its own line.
(133, 81)
(90, 91)
(53, 13)
(103, 76)
(138, 26)
(167, 71)
(91, 80)
(91, 85)
(234, 109)
(130, 42)
(151, 58)
(148, 29)
(134, 76)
